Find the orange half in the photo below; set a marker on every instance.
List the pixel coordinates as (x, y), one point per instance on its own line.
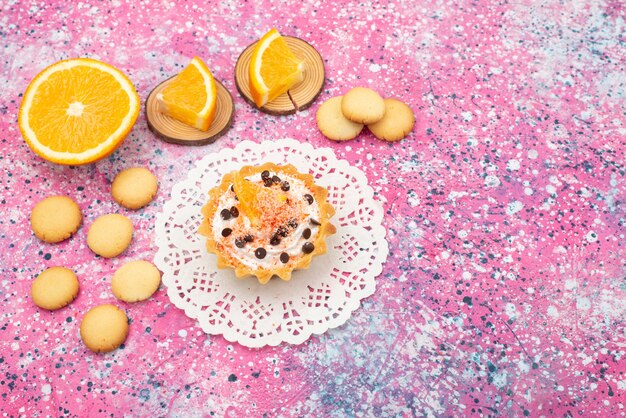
(77, 111)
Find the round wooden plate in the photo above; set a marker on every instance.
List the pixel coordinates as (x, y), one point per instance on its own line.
(300, 96)
(176, 132)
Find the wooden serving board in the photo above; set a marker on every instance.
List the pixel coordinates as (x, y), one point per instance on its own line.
(302, 95)
(171, 130)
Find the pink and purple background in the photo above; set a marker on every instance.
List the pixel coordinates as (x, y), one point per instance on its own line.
(505, 289)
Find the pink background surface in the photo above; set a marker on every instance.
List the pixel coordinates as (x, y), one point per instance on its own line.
(504, 292)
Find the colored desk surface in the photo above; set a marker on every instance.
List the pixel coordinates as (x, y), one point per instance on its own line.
(504, 290)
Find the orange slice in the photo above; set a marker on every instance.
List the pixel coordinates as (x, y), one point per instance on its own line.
(77, 111)
(246, 193)
(274, 68)
(256, 200)
(191, 96)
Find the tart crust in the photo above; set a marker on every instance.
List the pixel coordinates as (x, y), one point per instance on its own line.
(264, 274)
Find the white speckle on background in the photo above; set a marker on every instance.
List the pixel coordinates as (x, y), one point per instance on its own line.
(374, 68)
(492, 181)
(533, 154)
(553, 312)
(513, 165)
(510, 310)
(523, 366)
(413, 200)
(182, 333)
(46, 389)
(499, 379)
(583, 303)
(514, 207)
(453, 195)
(591, 236)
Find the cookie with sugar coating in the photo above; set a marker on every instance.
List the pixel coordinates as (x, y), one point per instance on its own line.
(110, 235)
(55, 218)
(134, 187)
(398, 121)
(363, 105)
(135, 281)
(54, 288)
(104, 328)
(333, 124)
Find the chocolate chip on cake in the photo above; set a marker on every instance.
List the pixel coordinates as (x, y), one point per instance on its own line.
(315, 222)
(308, 248)
(306, 234)
(276, 179)
(234, 212)
(292, 223)
(285, 186)
(226, 232)
(275, 240)
(260, 253)
(225, 214)
(308, 198)
(267, 182)
(248, 238)
(240, 242)
(284, 258)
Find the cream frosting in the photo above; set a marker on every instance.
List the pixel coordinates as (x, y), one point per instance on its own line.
(291, 244)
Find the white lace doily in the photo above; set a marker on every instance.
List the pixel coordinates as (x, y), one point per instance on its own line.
(314, 300)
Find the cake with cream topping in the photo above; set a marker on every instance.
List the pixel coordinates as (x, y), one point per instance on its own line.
(267, 220)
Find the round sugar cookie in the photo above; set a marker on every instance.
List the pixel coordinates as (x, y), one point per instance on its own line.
(54, 288)
(110, 235)
(363, 105)
(134, 188)
(397, 122)
(104, 328)
(135, 281)
(333, 124)
(55, 219)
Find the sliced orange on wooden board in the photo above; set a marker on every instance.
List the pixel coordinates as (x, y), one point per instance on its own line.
(191, 96)
(274, 68)
(77, 111)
